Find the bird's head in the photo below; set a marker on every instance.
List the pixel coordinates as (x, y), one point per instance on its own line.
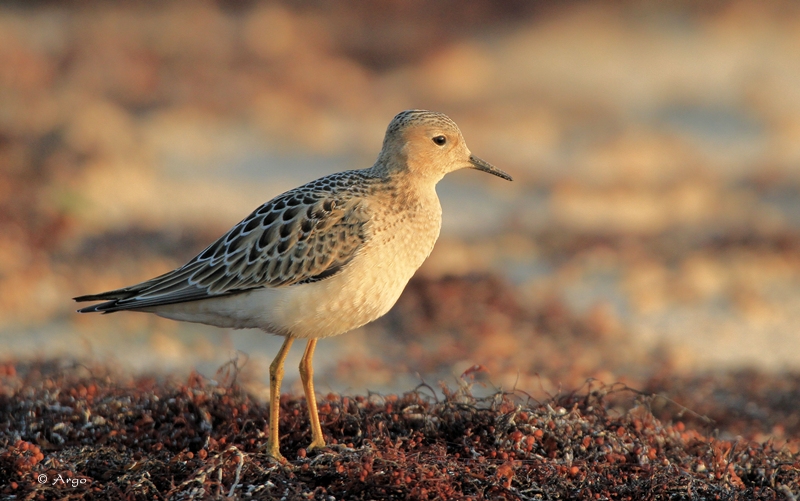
(428, 145)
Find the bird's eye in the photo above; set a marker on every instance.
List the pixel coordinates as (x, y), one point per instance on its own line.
(440, 140)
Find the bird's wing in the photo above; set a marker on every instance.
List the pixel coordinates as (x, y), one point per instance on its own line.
(299, 237)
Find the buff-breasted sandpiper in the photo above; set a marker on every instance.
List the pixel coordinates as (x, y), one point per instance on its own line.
(321, 259)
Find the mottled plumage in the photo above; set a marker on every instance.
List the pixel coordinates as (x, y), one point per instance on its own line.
(302, 236)
(321, 259)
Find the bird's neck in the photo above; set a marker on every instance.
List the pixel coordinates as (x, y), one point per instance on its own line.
(404, 171)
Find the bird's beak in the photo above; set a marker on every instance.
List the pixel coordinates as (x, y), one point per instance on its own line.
(485, 166)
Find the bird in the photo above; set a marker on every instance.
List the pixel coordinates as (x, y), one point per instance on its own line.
(318, 260)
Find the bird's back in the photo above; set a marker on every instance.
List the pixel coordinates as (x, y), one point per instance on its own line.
(303, 235)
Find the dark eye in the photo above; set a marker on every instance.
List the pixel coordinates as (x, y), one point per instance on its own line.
(440, 140)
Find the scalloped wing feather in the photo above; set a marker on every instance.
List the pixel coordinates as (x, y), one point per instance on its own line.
(305, 235)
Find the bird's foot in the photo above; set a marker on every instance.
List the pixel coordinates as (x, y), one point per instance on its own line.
(316, 445)
(273, 451)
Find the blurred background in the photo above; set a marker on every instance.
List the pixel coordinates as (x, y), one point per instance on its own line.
(653, 225)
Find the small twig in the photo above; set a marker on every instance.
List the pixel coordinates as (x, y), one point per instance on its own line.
(238, 470)
(683, 409)
(423, 384)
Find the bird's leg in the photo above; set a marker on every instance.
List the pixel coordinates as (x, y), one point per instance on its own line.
(307, 377)
(275, 378)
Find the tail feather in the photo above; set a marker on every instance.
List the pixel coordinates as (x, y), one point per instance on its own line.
(99, 308)
(103, 296)
(111, 298)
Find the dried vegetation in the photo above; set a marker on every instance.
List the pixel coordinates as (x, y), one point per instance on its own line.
(149, 439)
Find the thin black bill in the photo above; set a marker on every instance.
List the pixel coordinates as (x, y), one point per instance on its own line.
(485, 166)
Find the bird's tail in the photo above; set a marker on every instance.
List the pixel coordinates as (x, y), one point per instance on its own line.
(111, 299)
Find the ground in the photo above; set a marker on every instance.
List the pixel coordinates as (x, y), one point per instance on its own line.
(68, 430)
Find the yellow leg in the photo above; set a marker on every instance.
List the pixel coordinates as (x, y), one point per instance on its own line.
(275, 378)
(307, 376)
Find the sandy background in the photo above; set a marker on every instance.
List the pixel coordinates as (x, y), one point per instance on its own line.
(654, 220)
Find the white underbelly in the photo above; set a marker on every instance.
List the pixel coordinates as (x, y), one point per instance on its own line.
(362, 292)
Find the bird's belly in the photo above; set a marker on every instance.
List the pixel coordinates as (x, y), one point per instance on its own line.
(363, 291)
